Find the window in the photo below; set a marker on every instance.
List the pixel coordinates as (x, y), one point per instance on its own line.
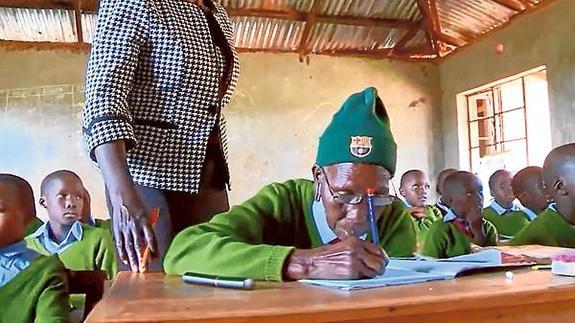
(506, 125)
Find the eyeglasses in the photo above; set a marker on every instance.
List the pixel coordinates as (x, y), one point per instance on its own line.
(354, 199)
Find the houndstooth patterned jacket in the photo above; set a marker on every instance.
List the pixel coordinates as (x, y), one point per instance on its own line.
(153, 80)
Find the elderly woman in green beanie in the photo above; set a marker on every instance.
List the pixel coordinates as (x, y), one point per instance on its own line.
(312, 229)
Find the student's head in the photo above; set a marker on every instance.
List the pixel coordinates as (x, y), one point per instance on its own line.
(16, 208)
(463, 193)
(62, 194)
(559, 177)
(441, 179)
(527, 186)
(356, 152)
(415, 187)
(500, 187)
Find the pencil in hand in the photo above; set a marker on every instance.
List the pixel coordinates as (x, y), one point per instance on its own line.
(154, 215)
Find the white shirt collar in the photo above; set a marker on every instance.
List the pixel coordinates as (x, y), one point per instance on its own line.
(500, 210)
(449, 216)
(441, 205)
(553, 206)
(75, 233)
(530, 214)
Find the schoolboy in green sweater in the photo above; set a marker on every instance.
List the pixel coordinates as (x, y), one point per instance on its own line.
(33, 288)
(439, 204)
(79, 246)
(415, 189)
(527, 186)
(312, 229)
(463, 225)
(556, 225)
(503, 213)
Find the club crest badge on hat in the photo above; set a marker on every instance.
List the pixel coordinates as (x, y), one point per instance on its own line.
(360, 146)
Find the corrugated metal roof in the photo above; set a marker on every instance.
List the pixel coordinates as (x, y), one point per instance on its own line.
(392, 9)
(267, 33)
(331, 37)
(88, 26)
(418, 41)
(299, 5)
(471, 18)
(56, 25)
(270, 28)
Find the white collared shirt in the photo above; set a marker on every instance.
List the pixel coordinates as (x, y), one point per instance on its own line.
(449, 216)
(530, 214)
(75, 233)
(441, 205)
(13, 259)
(500, 210)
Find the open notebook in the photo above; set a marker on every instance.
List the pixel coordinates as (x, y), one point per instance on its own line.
(422, 269)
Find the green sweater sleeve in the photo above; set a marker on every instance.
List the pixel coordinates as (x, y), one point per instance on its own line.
(54, 303)
(253, 239)
(436, 241)
(39, 293)
(397, 231)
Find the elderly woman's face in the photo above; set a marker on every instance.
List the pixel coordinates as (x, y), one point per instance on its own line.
(348, 179)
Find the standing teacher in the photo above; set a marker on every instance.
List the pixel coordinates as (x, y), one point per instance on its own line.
(159, 74)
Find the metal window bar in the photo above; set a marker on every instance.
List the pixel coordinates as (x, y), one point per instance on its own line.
(498, 136)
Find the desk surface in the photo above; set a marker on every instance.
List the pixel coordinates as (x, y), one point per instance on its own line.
(532, 296)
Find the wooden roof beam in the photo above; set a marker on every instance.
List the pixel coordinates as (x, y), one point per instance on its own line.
(428, 9)
(78, 19)
(303, 49)
(86, 5)
(516, 5)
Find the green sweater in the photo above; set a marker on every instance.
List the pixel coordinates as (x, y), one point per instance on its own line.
(255, 238)
(445, 241)
(94, 252)
(548, 229)
(33, 226)
(507, 225)
(38, 293)
(104, 224)
(422, 225)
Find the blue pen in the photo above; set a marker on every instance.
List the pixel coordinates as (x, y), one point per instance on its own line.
(371, 217)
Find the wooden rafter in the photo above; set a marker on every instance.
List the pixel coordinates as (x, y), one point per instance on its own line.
(516, 5)
(92, 6)
(86, 6)
(309, 23)
(430, 22)
(78, 16)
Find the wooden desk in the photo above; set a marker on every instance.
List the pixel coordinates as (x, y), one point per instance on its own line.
(532, 296)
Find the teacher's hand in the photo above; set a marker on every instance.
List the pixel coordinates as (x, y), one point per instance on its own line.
(132, 230)
(352, 258)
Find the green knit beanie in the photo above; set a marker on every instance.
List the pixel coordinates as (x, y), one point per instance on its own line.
(359, 133)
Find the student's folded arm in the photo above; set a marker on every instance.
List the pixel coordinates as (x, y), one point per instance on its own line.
(524, 236)
(54, 301)
(251, 240)
(110, 74)
(435, 244)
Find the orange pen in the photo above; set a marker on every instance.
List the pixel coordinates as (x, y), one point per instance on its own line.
(154, 215)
